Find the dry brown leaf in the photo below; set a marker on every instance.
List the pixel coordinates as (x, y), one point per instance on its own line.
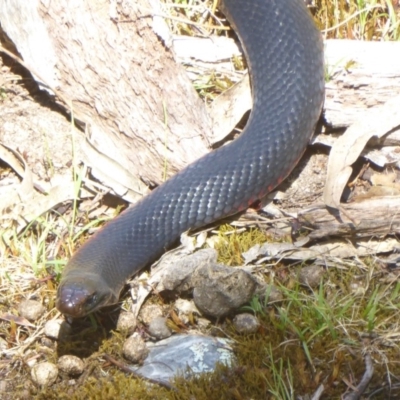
(333, 250)
(349, 146)
(18, 320)
(18, 164)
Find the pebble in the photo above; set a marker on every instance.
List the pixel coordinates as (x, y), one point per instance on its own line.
(274, 294)
(44, 374)
(311, 276)
(177, 274)
(32, 310)
(46, 342)
(158, 328)
(220, 290)
(71, 365)
(126, 322)
(246, 323)
(149, 312)
(135, 349)
(57, 329)
(185, 355)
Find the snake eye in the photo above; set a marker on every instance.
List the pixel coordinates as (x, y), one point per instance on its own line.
(91, 301)
(96, 300)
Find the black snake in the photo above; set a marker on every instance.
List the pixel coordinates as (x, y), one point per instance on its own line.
(285, 57)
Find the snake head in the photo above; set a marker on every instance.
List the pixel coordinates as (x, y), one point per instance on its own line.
(81, 294)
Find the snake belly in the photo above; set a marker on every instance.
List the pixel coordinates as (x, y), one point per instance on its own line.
(285, 57)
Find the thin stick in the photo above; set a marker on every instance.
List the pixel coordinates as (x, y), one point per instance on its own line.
(360, 389)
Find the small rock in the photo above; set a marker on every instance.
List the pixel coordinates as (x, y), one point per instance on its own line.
(47, 342)
(71, 365)
(274, 294)
(311, 276)
(126, 322)
(135, 349)
(158, 328)
(220, 290)
(185, 355)
(32, 310)
(44, 374)
(246, 323)
(149, 312)
(178, 275)
(57, 329)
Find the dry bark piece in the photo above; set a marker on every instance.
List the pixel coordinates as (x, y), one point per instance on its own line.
(16, 161)
(17, 320)
(362, 75)
(346, 150)
(129, 104)
(375, 216)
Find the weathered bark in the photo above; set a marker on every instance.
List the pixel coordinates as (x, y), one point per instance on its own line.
(360, 75)
(145, 119)
(376, 216)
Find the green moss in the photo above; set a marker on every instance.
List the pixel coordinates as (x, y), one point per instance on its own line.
(232, 243)
(310, 337)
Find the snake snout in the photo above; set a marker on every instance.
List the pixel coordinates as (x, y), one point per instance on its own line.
(81, 293)
(74, 300)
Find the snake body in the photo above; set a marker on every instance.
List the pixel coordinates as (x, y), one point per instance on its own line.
(285, 58)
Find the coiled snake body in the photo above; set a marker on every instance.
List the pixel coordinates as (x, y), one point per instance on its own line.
(285, 58)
